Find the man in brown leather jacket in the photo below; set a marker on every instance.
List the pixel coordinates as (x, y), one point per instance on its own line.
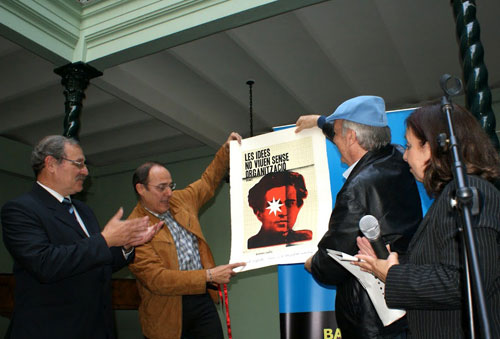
(176, 267)
(379, 183)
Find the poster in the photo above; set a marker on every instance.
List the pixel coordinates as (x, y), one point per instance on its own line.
(280, 197)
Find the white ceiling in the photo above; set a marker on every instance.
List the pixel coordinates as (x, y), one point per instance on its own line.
(305, 61)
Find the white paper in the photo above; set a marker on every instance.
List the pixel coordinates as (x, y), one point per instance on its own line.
(303, 153)
(373, 286)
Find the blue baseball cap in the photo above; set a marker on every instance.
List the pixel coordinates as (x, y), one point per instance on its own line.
(365, 109)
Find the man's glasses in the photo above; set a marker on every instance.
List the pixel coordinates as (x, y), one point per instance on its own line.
(79, 164)
(163, 187)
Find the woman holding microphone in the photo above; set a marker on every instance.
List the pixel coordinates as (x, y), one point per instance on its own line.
(428, 281)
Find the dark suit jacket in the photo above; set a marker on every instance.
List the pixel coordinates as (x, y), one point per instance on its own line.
(428, 284)
(63, 277)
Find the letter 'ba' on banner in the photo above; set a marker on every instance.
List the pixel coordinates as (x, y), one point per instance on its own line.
(307, 309)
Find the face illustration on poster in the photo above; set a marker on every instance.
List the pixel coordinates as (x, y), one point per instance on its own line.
(276, 201)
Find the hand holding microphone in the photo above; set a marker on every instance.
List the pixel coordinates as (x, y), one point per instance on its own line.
(369, 263)
(371, 230)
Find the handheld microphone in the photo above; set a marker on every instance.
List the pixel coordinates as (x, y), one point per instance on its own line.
(371, 230)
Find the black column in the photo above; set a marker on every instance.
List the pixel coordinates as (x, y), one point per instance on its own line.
(477, 91)
(75, 79)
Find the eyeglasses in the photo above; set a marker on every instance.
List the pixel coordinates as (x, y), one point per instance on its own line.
(79, 164)
(163, 187)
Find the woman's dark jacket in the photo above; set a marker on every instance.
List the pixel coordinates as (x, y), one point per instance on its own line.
(429, 286)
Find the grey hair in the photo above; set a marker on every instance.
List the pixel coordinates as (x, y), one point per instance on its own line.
(52, 145)
(370, 138)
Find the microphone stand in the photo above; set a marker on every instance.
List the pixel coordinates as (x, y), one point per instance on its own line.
(467, 203)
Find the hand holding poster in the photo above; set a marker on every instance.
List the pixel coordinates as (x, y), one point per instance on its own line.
(280, 197)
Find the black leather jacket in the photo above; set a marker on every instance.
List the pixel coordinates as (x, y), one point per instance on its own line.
(381, 185)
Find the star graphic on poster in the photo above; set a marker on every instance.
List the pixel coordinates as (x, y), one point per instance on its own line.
(274, 206)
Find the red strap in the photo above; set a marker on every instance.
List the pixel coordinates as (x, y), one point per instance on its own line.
(224, 298)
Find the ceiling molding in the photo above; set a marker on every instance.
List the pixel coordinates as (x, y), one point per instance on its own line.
(51, 24)
(143, 19)
(109, 32)
(151, 26)
(105, 10)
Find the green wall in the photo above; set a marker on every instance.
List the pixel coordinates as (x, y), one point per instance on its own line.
(253, 296)
(14, 180)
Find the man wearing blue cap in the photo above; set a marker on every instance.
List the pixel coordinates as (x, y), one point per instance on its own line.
(378, 182)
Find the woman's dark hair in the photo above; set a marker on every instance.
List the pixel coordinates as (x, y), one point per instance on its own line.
(477, 152)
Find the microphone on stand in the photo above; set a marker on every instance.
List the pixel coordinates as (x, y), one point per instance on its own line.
(370, 228)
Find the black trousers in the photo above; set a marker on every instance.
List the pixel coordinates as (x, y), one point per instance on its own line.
(200, 319)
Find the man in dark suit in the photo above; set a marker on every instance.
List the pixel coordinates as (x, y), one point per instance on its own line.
(62, 260)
